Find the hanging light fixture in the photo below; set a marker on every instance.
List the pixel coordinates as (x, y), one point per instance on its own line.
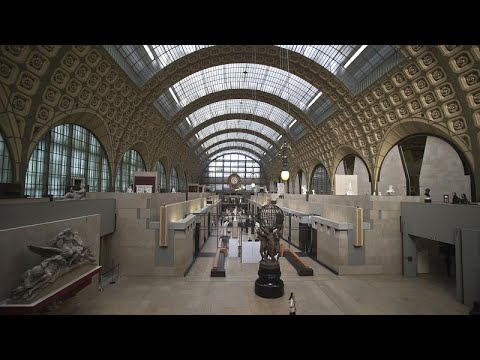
(285, 174)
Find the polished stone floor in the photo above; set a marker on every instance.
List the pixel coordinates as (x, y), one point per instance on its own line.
(322, 294)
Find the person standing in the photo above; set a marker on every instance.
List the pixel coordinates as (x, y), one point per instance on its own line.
(292, 304)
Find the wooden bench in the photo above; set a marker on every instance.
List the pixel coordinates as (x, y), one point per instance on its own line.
(218, 269)
(297, 262)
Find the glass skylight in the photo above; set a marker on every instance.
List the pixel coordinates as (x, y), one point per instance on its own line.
(233, 153)
(371, 63)
(237, 106)
(235, 124)
(239, 144)
(237, 136)
(235, 147)
(238, 76)
(142, 64)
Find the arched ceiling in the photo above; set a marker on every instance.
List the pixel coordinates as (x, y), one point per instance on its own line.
(292, 87)
(238, 150)
(237, 136)
(256, 77)
(240, 106)
(231, 122)
(147, 60)
(250, 154)
(236, 133)
(236, 144)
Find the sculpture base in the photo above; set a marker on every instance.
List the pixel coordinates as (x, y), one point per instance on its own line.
(269, 285)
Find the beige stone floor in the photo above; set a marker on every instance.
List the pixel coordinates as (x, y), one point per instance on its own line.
(322, 294)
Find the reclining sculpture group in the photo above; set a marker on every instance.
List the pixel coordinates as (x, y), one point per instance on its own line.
(76, 195)
(64, 251)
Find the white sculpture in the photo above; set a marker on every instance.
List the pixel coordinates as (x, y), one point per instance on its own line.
(349, 190)
(235, 214)
(304, 189)
(76, 195)
(313, 191)
(390, 190)
(129, 189)
(173, 190)
(379, 193)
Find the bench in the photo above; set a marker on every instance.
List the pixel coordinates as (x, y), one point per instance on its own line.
(218, 269)
(301, 266)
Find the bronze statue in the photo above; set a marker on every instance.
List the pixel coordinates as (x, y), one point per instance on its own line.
(269, 244)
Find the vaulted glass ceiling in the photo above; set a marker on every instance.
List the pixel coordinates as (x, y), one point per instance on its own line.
(238, 106)
(142, 64)
(147, 60)
(239, 144)
(356, 66)
(236, 136)
(374, 60)
(236, 151)
(237, 76)
(234, 146)
(235, 124)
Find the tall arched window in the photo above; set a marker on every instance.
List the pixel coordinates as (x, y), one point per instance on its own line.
(162, 177)
(66, 155)
(6, 169)
(183, 182)
(131, 161)
(216, 174)
(320, 180)
(174, 180)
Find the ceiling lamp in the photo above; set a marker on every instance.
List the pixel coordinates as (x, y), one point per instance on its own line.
(285, 174)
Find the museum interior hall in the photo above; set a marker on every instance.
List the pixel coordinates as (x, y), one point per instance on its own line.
(240, 179)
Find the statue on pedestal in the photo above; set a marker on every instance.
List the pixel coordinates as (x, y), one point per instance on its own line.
(173, 190)
(269, 285)
(428, 199)
(130, 189)
(349, 190)
(304, 189)
(390, 190)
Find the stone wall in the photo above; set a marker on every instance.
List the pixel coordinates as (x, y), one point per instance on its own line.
(442, 171)
(392, 173)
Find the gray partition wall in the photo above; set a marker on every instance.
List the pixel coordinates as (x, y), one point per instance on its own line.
(22, 214)
(454, 224)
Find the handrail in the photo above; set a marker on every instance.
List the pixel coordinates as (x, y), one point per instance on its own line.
(112, 269)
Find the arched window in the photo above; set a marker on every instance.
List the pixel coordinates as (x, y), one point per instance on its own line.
(131, 161)
(68, 155)
(183, 182)
(162, 177)
(216, 174)
(174, 180)
(320, 180)
(6, 169)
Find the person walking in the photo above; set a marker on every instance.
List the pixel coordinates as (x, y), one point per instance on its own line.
(292, 304)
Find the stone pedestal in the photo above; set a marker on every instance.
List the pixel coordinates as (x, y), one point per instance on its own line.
(235, 229)
(269, 285)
